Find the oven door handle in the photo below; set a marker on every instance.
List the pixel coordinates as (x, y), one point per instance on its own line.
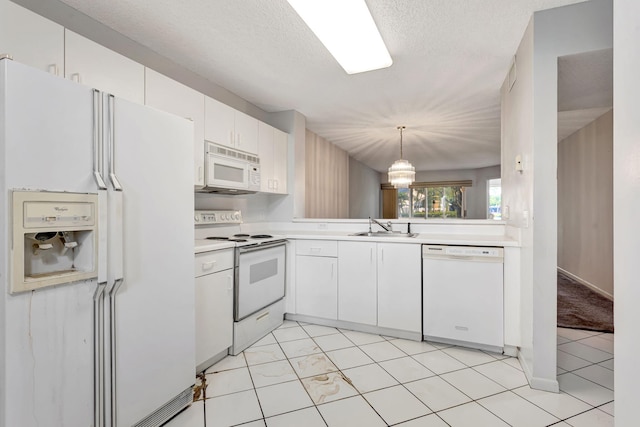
(245, 249)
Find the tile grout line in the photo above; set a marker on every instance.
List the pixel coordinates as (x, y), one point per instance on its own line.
(358, 346)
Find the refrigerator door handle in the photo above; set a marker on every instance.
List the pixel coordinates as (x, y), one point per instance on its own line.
(98, 355)
(97, 148)
(111, 141)
(112, 349)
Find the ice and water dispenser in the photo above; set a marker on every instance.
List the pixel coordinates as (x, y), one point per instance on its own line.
(55, 237)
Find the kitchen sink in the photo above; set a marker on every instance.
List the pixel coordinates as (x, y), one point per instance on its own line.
(383, 234)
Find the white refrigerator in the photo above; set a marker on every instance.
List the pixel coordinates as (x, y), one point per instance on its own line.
(118, 350)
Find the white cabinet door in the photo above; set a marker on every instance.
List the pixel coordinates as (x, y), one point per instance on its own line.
(214, 314)
(265, 153)
(357, 282)
(168, 95)
(31, 39)
(399, 286)
(219, 122)
(280, 161)
(93, 65)
(246, 133)
(317, 286)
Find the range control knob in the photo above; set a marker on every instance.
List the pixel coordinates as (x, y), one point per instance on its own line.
(196, 218)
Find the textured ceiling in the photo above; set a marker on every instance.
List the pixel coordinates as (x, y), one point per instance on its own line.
(450, 59)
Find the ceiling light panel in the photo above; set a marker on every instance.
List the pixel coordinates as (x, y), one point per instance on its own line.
(347, 30)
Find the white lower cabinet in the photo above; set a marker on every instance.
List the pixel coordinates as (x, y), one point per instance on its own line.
(214, 305)
(380, 284)
(317, 278)
(400, 286)
(357, 282)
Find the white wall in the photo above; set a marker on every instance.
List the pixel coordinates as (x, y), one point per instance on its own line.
(585, 204)
(626, 178)
(529, 124)
(364, 190)
(517, 188)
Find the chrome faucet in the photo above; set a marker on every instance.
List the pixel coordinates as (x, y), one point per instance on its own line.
(384, 227)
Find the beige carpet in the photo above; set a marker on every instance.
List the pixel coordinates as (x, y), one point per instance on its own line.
(581, 308)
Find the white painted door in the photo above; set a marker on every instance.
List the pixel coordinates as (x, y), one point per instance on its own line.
(214, 314)
(280, 161)
(357, 282)
(31, 39)
(246, 129)
(317, 286)
(265, 153)
(93, 65)
(168, 95)
(399, 286)
(219, 122)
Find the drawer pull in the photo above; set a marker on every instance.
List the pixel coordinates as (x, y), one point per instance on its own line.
(262, 316)
(208, 265)
(315, 250)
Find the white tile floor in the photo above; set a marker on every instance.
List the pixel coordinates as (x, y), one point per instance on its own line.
(315, 376)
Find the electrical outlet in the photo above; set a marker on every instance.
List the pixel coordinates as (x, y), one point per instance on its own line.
(525, 219)
(505, 214)
(322, 226)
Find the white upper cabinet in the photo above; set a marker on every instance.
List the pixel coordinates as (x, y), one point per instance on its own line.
(227, 126)
(265, 153)
(246, 133)
(273, 151)
(168, 95)
(280, 161)
(31, 39)
(93, 65)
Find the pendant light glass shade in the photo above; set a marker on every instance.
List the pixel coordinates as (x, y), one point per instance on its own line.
(401, 173)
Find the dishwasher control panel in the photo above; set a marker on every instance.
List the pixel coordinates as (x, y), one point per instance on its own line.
(461, 251)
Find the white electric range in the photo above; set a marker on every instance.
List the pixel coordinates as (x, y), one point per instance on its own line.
(259, 273)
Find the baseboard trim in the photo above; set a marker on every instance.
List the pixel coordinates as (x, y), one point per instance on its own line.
(586, 283)
(370, 329)
(537, 383)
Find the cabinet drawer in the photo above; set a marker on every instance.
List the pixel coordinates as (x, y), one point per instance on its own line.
(210, 262)
(317, 247)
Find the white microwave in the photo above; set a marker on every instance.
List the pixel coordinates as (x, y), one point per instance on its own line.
(230, 171)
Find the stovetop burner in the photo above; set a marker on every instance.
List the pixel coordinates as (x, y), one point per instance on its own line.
(216, 238)
(241, 235)
(261, 236)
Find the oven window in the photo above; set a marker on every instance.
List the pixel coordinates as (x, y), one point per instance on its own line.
(263, 270)
(228, 173)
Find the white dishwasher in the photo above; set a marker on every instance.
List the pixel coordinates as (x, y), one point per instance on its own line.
(462, 291)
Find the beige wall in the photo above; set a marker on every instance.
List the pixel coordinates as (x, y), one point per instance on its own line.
(327, 179)
(585, 204)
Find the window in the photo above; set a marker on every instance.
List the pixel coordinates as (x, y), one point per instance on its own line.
(431, 200)
(495, 198)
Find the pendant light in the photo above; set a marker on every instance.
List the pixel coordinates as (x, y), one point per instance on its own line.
(401, 173)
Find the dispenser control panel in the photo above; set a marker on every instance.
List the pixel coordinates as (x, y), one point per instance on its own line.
(58, 214)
